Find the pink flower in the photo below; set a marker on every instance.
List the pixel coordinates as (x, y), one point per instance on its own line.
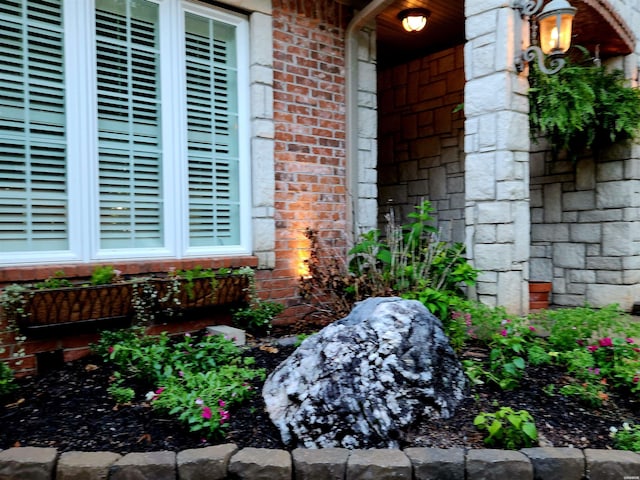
(159, 391)
(456, 315)
(532, 329)
(206, 413)
(605, 342)
(592, 348)
(504, 333)
(180, 373)
(636, 379)
(221, 403)
(224, 416)
(110, 349)
(629, 340)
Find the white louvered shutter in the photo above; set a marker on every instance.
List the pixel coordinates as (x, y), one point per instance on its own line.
(212, 123)
(33, 176)
(129, 127)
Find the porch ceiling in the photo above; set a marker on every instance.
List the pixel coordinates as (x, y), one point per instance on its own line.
(594, 24)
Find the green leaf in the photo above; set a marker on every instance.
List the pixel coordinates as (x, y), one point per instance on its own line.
(530, 430)
(519, 362)
(495, 427)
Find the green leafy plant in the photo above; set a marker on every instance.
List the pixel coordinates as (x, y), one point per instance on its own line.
(409, 261)
(104, 275)
(258, 316)
(55, 281)
(572, 327)
(7, 382)
(591, 392)
(192, 274)
(508, 428)
(583, 106)
(198, 379)
(121, 394)
(627, 437)
(203, 399)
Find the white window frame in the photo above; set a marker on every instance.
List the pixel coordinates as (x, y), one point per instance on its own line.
(256, 131)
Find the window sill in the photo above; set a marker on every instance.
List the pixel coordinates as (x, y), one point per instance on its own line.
(140, 267)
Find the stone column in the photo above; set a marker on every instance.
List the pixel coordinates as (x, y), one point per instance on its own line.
(497, 156)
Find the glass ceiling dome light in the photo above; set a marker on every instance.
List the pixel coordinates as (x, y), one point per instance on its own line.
(414, 19)
(556, 21)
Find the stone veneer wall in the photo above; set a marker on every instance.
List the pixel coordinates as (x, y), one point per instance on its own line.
(421, 139)
(585, 227)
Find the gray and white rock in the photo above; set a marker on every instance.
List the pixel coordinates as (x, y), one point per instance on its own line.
(361, 381)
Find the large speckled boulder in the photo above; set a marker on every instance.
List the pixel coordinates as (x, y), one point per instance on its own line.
(361, 381)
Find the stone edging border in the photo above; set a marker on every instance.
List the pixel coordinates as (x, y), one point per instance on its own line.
(226, 461)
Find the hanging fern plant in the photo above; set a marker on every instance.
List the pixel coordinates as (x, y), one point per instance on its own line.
(583, 107)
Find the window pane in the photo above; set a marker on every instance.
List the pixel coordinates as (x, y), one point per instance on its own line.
(129, 142)
(33, 177)
(212, 121)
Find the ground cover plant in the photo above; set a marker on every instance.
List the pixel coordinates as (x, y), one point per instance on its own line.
(194, 378)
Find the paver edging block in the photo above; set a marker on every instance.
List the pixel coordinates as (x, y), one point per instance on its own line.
(556, 463)
(378, 464)
(210, 463)
(325, 463)
(491, 464)
(541, 463)
(261, 464)
(612, 464)
(436, 463)
(33, 463)
(145, 466)
(85, 465)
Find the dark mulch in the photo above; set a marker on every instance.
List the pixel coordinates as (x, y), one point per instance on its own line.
(69, 409)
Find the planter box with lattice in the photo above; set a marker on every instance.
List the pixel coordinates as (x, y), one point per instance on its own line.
(37, 308)
(220, 289)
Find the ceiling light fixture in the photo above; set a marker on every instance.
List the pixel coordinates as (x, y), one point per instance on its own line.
(414, 19)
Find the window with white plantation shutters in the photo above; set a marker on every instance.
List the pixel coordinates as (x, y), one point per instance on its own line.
(212, 128)
(129, 129)
(123, 131)
(33, 181)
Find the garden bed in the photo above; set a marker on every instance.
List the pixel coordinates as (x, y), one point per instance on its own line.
(69, 409)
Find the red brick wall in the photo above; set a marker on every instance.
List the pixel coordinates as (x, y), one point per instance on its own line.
(309, 113)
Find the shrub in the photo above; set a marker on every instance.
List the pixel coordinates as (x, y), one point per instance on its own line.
(508, 428)
(583, 107)
(257, 317)
(196, 378)
(627, 438)
(409, 261)
(572, 327)
(7, 382)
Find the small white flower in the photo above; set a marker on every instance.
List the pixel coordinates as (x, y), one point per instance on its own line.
(149, 396)
(199, 401)
(626, 426)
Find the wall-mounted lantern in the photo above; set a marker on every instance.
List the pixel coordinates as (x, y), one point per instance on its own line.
(555, 22)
